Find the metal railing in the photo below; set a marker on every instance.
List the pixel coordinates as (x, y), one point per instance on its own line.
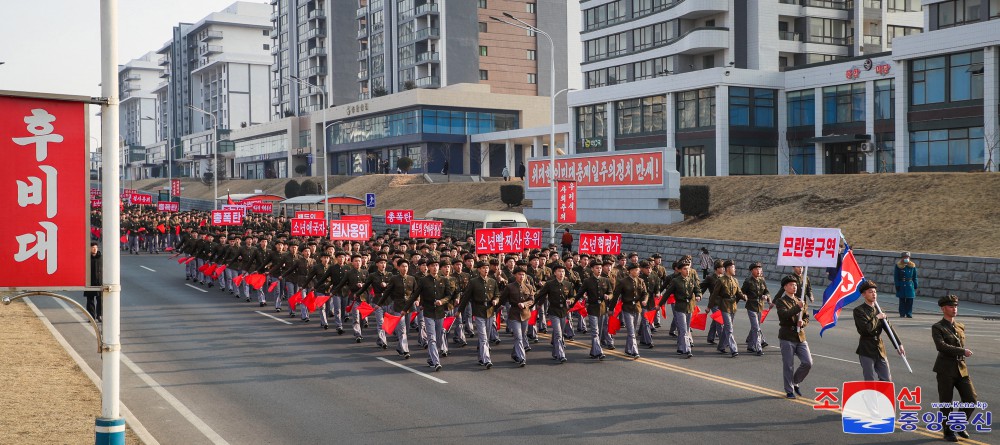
(212, 35)
(788, 35)
(829, 4)
(428, 57)
(425, 9)
(873, 40)
(429, 81)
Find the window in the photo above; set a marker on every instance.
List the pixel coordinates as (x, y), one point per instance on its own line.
(532, 55)
(607, 76)
(844, 103)
(484, 75)
(696, 108)
(267, 47)
(802, 160)
(893, 31)
(607, 46)
(530, 8)
(751, 107)
(903, 5)
(483, 51)
(693, 161)
(645, 7)
(885, 99)
(886, 160)
(747, 160)
(532, 79)
(739, 106)
(956, 12)
(604, 15)
(267, 32)
(801, 108)
(828, 31)
(994, 9)
(482, 27)
(957, 146)
(708, 61)
(639, 116)
(590, 124)
(955, 77)
(482, 4)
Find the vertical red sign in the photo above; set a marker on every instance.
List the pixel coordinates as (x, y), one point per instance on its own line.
(565, 201)
(44, 174)
(175, 187)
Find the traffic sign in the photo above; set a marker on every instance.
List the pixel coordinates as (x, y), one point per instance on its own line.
(370, 200)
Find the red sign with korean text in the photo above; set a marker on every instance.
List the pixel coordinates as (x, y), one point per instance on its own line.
(45, 194)
(227, 217)
(140, 199)
(363, 218)
(261, 207)
(308, 227)
(96, 203)
(637, 169)
(425, 229)
(601, 243)
(507, 240)
(398, 216)
(175, 187)
(95, 193)
(164, 206)
(809, 247)
(566, 202)
(309, 214)
(350, 230)
(127, 194)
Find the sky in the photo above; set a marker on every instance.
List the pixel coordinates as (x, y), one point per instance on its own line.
(54, 46)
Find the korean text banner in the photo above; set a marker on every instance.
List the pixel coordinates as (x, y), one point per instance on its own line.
(308, 227)
(45, 192)
(507, 240)
(617, 170)
(601, 243)
(425, 229)
(261, 207)
(566, 202)
(165, 206)
(310, 214)
(809, 247)
(227, 217)
(350, 230)
(398, 217)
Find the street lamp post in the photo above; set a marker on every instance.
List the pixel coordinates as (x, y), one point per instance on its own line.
(326, 162)
(215, 152)
(552, 131)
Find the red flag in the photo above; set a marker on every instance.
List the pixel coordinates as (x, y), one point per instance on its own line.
(498, 319)
(203, 267)
(698, 321)
(717, 316)
(448, 321)
(365, 310)
(413, 316)
(168, 249)
(389, 322)
(618, 309)
(579, 307)
(650, 316)
(189, 259)
(696, 310)
(309, 299)
(210, 268)
(218, 271)
(162, 228)
(763, 315)
(658, 300)
(272, 286)
(177, 230)
(663, 310)
(256, 280)
(296, 298)
(229, 199)
(534, 317)
(671, 299)
(202, 223)
(349, 309)
(182, 260)
(319, 302)
(124, 238)
(142, 229)
(614, 324)
(238, 280)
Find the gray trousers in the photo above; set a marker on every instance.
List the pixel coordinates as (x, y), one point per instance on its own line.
(558, 344)
(491, 329)
(673, 323)
(714, 328)
(356, 319)
(790, 350)
(629, 322)
(433, 327)
(484, 344)
(606, 338)
(403, 346)
(727, 340)
(875, 367)
(756, 336)
(518, 328)
(683, 322)
(379, 312)
(595, 335)
(645, 330)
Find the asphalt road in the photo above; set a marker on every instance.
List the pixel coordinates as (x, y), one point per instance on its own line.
(205, 367)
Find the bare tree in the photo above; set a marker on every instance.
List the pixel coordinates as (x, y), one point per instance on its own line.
(785, 151)
(991, 141)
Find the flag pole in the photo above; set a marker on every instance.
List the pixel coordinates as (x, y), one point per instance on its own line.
(802, 295)
(892, 337)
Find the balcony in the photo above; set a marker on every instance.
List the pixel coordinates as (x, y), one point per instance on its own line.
(131, 86)
(315, 32)
(317, 51)
(362, 33)
(165, 74)
(830, 4)
(873, 40)
(428, 57)
(362, 11)
(317, 14)
(426, 33)
(362, 75)
(275, 68)
(790, 36)
(209, 49)
(873, 4)
(164, 61)
(275, 84)
(362, 55)
(275, 15)
(132, 76)
(275, 49)
(314, 71)
(275, 101)
(274, 2)
(211, 35)
(422, 10)
(428, 82)
(826, 40)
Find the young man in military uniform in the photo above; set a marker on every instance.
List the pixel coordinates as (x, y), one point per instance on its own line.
(398, 291)
(870, 325)
(432, 295)
(755, 289)
(631, 291)
(686, 291)
(518, 295)
(377, 281)
(353, 279)
(597, 291)
(792, 319)
(652, 282)
(714, 329)
(729, 294)
(483, 296)
(559, 293)
(952, 371)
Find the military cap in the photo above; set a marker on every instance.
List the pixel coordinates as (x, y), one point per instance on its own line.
(340, 253)
(494, 262)
(324, 254)
(948, 300)
(631, 266)
(644, 264)
(443, 263)
(456, 261)
(728, 263)
(596, 263)
(557, 267)
(518, 270)
(401, 261)
(422, 262)
(608, 262)
(683, 262)
(718, 264)
(788, 279)
(355, 256)
(656, 256)
(381, 259)
(904, 255)
(468, 256)
(868, 284)
(480, 264)
(522, 263)
(584, 255)
(755, 265)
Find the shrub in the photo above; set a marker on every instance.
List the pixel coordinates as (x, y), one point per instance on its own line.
(309, 188)
(301, 169)
(694, 200)
(292, 188)
(404, 163)
(512, 195)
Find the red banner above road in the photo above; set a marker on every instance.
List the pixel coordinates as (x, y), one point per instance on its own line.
(175, 187)
(614, 170)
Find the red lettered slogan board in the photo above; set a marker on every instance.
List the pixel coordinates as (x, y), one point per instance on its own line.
(96, 203)
(44, 191)
(620, 170)
(308, 227)
(261, 207)
(507, 240)
(164, 206)
(140, 199)
(309, 214)
(601, 243)
(398, 216)
(227, 217)
(175, 187)
(425, 229)
(809, 247)
(350, 230)
(367, 218)
(566, 197)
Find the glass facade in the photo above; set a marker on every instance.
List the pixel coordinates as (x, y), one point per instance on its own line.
(844, 104)
(590, 125)
(640, 116)
(747, 160)
(802, 160)
(950, 78)
(885, 99)
(696, 108)
(422, 121)
(957, 146)
(752, 107)
(801, 108)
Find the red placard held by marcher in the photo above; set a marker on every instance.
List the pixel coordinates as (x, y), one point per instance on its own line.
(261, 207)
(565, 201)
(507, 240)
(425, 229)
(601, 243)
(393, 217)
(309, 214)
(141, 199)
(227, 217)
(367, 218)
(308, 227)
(350, 230)
(175, 187)
(96, 203)
(164, 206)
(45, 192)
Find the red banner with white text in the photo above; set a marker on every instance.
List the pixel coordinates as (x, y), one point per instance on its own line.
(613, 170)
(350, 230)
(507, 240)
(566, 202)
(227, 217)
(601, 243)
(393, 217)
(308, 227)
(425, 229)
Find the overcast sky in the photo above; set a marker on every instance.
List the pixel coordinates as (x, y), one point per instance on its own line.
(53, 46)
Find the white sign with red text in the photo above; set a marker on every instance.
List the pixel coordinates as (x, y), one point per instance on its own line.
(809, 247)
(164, 206)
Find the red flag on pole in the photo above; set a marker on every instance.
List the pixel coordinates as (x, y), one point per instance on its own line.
(663, 310)
(365, 310)
(162, 228)
(296, 298)
(309, 300)
(413, 316)
(448, 321)
(238, 280)
(272, 286)
(218, 271)
(124, 239)
(389, 322)
(229, 199)
(618, 309)
(650, 316)
(698, 321)
(533, 318)
(498, 320)
(579, 307)
(182, 260)
(658, 300)
(614, 324)
(349, 309)
(671, 299)
(717, 316)
(763, 315)
(189, 259)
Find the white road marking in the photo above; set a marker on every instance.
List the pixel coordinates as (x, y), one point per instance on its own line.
(137, 426)
(195, 288)
(144, 267)
(181, 409)
(838, 359)
(272, 316)
(411, 370)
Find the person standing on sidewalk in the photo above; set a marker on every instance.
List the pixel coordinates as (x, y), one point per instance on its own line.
(94, 307)
(905, 280)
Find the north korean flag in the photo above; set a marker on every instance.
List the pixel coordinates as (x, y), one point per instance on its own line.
(843, 290)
